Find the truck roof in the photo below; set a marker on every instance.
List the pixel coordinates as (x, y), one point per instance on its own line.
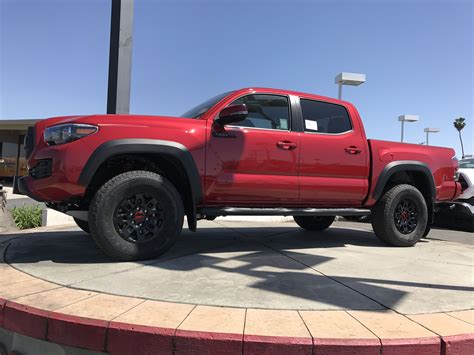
(290, 92)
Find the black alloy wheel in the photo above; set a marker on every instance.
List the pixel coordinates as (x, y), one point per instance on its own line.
(138, 218)
(406, 216)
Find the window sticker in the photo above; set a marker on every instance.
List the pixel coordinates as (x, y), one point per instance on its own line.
(283, 123)
(312, 125)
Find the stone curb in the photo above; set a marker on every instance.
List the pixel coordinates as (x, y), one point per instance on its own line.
(122, 338)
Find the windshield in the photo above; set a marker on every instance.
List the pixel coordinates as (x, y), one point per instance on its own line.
(467, 164)
(201, 109)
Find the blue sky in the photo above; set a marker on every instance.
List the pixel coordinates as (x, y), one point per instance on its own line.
(417, 55)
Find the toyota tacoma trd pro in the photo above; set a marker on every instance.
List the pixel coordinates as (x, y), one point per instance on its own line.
(130, 179)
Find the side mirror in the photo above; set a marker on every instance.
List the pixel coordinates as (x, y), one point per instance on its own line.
(232, 114)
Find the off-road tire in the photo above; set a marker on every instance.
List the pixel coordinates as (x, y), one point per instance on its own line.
(110, 196)
(314, 223)
(383, 216)
(84, 225)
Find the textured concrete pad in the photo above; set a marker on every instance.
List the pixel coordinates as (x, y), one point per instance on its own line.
(101, 306)
(466, 316)
(267, 322)
(55, 298)
(442, 324)
(261, 265)
(391, 325)
(215, 319)
(23, 288)
(335, 325)
(156, 314)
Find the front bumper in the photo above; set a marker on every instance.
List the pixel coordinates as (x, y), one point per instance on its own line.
(54, 172)
(20, 187)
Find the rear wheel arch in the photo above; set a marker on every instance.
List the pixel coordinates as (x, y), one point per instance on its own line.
(170, 159)
(411, 172)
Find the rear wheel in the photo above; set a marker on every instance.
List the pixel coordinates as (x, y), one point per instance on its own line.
(84, 225)
(136, 215)
(400, 217)
(314, 223)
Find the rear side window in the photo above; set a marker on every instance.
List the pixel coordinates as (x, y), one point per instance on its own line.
(323, 117)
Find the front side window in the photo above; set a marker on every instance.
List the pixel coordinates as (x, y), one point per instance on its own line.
(323, 117)
(265, 111)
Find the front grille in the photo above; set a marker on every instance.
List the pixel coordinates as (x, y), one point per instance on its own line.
(41, 170)
(30, 141)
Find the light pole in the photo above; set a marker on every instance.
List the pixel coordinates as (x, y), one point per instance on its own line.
(120, 57)
(352, 79)
(407, 118)
(429, 130)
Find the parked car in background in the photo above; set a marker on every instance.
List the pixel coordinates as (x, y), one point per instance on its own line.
(466, 179)
(459, 214)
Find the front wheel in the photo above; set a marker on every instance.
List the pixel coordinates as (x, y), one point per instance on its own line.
(136, 215)
(400, 217)
(314, 223)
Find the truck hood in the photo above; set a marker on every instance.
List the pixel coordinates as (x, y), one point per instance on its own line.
(138, 120)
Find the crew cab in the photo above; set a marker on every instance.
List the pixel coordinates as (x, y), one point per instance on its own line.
(130, 179)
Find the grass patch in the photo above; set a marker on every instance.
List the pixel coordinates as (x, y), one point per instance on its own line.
(27, 216)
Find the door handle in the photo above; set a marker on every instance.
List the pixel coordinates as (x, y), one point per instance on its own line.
(352, 150)
(286, 145)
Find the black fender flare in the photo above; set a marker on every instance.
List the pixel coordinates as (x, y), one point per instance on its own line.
(147, 146)
(406, 165)
(403, 165)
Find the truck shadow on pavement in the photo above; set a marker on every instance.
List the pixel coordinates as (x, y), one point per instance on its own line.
(266, 267)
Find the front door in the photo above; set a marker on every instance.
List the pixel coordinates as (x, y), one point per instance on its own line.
(255, 162)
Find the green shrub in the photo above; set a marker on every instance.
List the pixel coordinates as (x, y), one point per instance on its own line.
(27, 216)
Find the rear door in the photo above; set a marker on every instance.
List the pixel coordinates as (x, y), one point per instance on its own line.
(255, 163)
(334, 156)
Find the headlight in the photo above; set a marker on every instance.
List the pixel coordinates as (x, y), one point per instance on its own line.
(65, 133)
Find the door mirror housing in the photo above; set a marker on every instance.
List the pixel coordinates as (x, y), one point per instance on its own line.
(232, 114)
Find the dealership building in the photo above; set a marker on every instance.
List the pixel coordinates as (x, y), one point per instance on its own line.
(12, 152)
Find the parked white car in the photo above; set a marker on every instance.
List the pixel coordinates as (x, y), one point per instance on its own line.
(459, 214)
(466, 178)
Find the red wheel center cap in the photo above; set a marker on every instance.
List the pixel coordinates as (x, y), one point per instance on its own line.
(139, 217)
(404, 215)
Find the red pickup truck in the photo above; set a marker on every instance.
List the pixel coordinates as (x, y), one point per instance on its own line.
(130, 179)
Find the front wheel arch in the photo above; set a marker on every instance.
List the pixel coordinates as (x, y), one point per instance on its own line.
(175, 156)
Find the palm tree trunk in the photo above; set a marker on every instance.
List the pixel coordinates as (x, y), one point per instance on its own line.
(462, 146)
